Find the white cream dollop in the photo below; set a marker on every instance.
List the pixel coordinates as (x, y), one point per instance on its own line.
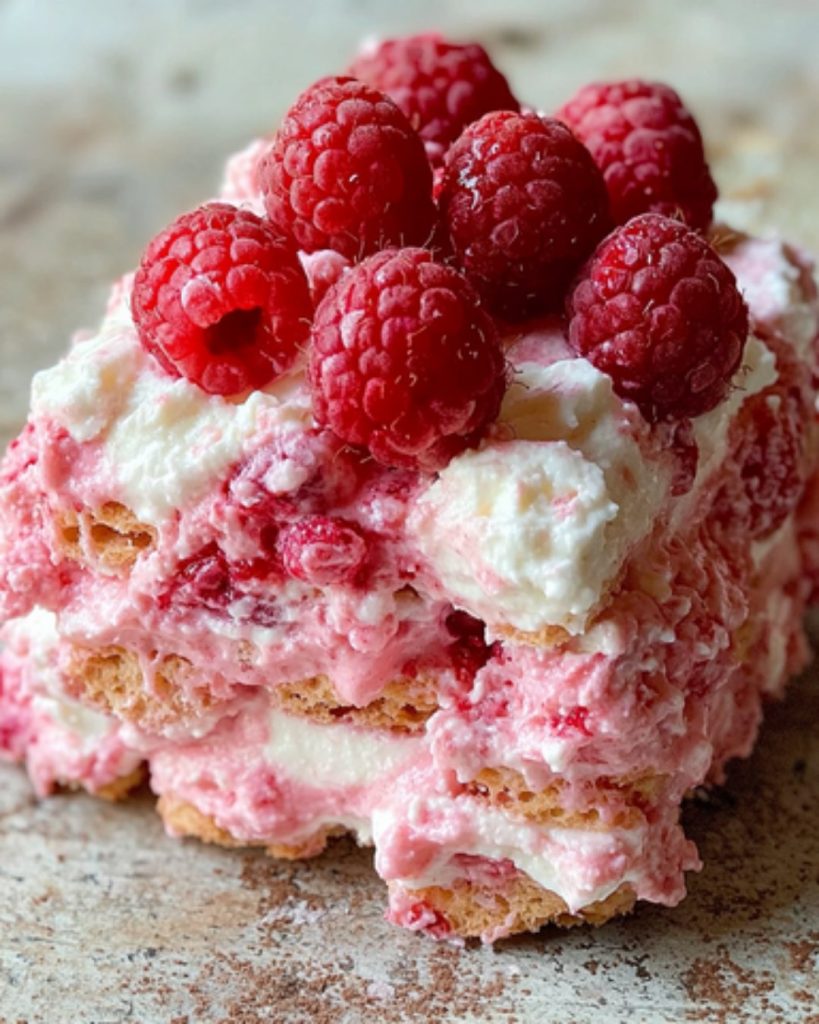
(530, 531)
(776, 282)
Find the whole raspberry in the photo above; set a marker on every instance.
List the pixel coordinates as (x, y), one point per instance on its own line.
(221, 298)
(648, 147)
(441, 86)
(346, 171)
(524, 205)
(770, 453)
(658, 311)
(322, 550)
(405, 361)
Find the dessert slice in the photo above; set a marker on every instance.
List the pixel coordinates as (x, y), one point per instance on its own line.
(478, 531)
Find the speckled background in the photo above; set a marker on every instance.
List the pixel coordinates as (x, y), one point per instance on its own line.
(114, 116)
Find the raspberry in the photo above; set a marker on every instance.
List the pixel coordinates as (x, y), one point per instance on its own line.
(440, 86)
(202, 580)
(524, 205)
(346, 171)
(659, 311)
(404, 360)
(648, 147)
(770, 454)
(469, 651)
(322, 550)
(220, 298)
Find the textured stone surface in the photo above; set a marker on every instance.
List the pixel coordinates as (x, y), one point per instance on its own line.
(114, 117)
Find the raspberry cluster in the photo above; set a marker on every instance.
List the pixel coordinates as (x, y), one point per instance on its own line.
(387, 286)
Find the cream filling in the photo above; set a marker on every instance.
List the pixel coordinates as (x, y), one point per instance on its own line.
(758, 371)
(530, 531)
(335, 755)
(498, 837)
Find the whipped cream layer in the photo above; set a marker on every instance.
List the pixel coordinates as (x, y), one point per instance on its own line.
(269, 776)
(531, 531)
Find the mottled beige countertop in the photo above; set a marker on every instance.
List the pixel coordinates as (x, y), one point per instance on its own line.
(114, 116)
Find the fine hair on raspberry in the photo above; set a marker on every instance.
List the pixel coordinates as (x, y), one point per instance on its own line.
(346, 171)
(221, 298)
(405, 361)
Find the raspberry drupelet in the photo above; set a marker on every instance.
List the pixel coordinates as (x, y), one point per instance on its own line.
(523, 204)
(441, 86)
(346, 171)
(221, 298)
(659, 311)
(648, 147)
(404, 360)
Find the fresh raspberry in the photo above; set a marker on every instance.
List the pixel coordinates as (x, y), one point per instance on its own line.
(322, 550)
(659, 312)
(769, 454)
(346, 171)
(573, 722)
(221, 298)
(404, 360)
(648, 147)
(441, 86)
(524, 205)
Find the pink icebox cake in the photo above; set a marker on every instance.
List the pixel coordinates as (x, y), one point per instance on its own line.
(500, 650)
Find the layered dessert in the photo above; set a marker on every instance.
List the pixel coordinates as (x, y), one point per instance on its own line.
(447, 482)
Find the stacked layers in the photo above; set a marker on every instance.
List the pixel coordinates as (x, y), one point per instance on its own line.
(545, 648)
(435, 515)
